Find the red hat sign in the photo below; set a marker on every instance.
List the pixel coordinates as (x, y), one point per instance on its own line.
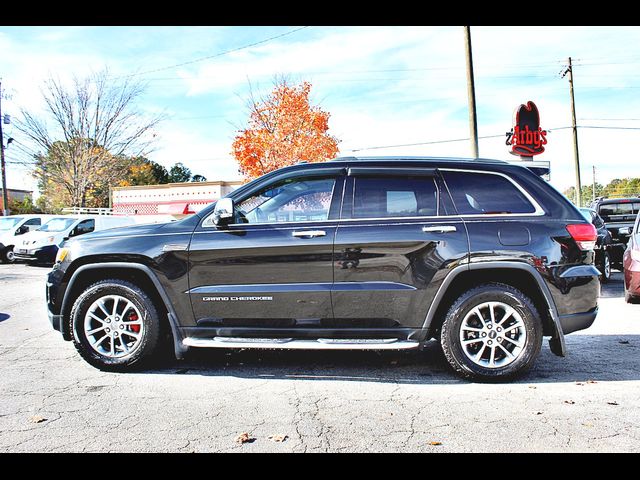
(526, 138)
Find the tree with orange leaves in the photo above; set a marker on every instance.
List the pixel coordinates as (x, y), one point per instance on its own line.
(283, 129)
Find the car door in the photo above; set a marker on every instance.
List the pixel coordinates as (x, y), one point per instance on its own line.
(398, 238)
(271, 267)
(32, 224)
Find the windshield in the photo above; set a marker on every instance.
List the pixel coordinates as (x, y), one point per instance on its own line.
(57, 224)
(7, 223)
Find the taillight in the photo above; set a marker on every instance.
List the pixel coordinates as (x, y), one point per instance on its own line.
(584, 234)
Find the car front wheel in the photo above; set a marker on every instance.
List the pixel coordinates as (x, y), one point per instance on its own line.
(115, 325)
(8, 255)
(492, 332)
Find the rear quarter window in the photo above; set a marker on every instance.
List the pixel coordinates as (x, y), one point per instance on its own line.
(476, 193)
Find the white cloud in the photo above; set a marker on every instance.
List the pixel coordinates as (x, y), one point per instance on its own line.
(382, 85)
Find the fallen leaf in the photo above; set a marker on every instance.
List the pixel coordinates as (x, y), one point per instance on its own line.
(244, 438)
(591, 381)
(435, 444)
(579, 383)
(569, 402)
(37, 419)
(278, 438)
(538, 413)
(531, 386)
(613, 403)
(588, 424)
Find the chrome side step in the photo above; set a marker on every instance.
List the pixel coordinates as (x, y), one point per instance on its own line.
(289, 343)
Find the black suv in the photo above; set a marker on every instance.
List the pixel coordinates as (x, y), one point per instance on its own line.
(355, 253)
(619, 215)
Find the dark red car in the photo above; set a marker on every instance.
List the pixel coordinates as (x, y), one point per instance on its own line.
(631, 263)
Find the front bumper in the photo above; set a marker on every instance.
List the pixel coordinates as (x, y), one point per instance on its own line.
(55, 320)
(631, 275)
(43, 254)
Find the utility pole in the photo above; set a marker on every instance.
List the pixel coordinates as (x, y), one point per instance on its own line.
(471, 93)
(5, 196)
(593, 189)
(576, 155)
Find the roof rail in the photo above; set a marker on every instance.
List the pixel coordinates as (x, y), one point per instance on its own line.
(88, 211)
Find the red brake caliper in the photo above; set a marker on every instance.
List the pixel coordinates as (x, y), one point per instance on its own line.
(132, 318)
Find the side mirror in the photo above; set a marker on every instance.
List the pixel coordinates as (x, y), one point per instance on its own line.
(624, 231)
(223, 212)
(22, 229)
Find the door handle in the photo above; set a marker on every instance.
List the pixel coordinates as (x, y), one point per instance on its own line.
(439, 229)
(309, 233)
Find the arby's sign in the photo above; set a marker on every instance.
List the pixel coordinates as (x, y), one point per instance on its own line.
(526, 138)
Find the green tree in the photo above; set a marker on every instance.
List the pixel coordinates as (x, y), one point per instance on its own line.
(179, 173)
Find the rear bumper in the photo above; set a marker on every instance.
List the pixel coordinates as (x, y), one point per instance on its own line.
(577, 321)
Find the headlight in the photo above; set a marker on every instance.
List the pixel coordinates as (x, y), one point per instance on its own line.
(62, 254)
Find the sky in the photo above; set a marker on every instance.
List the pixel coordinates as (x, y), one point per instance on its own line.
(389, 90)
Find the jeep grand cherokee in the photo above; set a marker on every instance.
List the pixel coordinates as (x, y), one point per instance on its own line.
(355, 253)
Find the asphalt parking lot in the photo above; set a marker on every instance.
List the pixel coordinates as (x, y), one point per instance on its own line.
(295, 401)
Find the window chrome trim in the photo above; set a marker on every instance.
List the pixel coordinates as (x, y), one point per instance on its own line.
(538, 210)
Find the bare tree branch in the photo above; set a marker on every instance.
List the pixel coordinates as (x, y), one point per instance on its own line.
(92, 127)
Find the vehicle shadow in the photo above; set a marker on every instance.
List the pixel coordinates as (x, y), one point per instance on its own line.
(614, 288)
(4, 316)
(591, 357)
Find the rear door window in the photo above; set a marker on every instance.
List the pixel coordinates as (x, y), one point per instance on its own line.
(476, 193)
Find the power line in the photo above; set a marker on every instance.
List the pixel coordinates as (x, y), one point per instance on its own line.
(209, 57)
(609, 128)
(439, 141)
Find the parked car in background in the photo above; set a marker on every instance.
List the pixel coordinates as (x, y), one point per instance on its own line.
(42, 245)
(603, 244)
(12, 229)
(618, 215)
(631, 263)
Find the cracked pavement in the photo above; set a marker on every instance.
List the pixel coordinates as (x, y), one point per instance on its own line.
(322, 401)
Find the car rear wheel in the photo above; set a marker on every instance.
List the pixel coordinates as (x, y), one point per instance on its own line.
(115, 325)
(491, 332)
(605, 267)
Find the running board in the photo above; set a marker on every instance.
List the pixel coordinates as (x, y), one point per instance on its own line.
(290, 343)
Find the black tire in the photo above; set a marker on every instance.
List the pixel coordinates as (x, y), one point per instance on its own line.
(605, 267)
(7, 256)
(507, 295)
(149, 332)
